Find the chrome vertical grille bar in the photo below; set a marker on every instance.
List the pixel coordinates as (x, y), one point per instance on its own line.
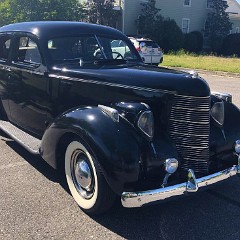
(189, 127)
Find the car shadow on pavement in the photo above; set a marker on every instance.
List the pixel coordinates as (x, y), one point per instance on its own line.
(213, 214)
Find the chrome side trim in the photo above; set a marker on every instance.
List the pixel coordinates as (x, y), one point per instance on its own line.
(110, 84)
(139, 199)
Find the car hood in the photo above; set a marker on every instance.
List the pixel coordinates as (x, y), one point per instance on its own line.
(141, 76)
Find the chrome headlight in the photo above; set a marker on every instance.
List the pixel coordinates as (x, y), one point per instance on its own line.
(146, 123)
(217, 113)
(171, 165)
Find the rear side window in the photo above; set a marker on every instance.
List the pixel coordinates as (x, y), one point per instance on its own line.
(5, 42)
(28, 52)
(73, 48)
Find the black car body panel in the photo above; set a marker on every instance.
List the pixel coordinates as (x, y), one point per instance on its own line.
(54, 99)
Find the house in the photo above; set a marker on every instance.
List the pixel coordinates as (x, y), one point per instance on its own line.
(190, 15)
(234, 14)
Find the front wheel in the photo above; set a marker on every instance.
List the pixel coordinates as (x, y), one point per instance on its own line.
(86, 181)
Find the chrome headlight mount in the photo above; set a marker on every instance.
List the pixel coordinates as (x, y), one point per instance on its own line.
(226, 97)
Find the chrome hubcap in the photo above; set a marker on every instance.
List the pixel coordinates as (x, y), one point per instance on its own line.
(82, 174)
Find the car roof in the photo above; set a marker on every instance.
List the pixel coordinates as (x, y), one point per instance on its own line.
(59, 28)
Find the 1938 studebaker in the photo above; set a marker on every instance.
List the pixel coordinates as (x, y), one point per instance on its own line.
(112, 125)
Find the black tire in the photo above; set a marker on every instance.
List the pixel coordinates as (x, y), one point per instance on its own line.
(86, 181)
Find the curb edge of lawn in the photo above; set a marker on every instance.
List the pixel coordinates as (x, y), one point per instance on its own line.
(201, 71)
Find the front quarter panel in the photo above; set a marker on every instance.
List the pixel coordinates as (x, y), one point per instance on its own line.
(115, 144)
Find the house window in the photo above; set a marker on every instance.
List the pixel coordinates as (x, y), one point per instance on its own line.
(187, 3)
(185, 25)
(237, 30)
(206, 29)
(209, 3)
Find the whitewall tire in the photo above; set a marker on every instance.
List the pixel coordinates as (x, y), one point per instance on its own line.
(85, 179)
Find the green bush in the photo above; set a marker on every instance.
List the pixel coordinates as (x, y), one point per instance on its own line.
(193, 42)
(231, 45)
(172, 38)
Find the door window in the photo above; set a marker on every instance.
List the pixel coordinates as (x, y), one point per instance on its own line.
(4, 47)
(28, 52)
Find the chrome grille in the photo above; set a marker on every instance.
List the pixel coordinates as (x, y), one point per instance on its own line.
(189, 130)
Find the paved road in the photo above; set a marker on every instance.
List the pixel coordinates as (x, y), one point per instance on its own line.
(34, 205)
(222, 83)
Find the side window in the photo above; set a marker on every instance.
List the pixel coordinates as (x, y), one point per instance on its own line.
(4, 47)
(28, 52)
(73, 48)
(120, 51)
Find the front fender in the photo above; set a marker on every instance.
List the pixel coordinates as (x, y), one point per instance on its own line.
(115, 144)
(222, 140)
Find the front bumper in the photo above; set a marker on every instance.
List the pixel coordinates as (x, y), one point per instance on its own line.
(139, 199)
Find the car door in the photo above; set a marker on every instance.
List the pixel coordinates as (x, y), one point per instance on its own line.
(29, 101)
(5, 48)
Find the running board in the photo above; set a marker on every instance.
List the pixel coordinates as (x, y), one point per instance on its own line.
(26, 140)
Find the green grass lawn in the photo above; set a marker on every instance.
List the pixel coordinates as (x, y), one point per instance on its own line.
(193, 61)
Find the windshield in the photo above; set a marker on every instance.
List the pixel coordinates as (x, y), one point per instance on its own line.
(91, 50)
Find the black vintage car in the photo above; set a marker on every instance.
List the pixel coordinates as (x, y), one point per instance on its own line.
(114, 126)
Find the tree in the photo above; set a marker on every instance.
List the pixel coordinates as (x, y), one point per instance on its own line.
(150, 22)
(231, 45)
(164, 31)
(218, 24)
(172, 38)
(193, 42)
(102, 12)
(35, 10)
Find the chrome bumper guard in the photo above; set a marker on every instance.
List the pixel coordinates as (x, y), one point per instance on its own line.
(138, 199)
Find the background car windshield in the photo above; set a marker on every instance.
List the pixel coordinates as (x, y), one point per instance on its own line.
(89, 49)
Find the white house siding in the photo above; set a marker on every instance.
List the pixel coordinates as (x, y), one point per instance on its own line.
(196, 12)
(174, 9)
(131, 11)
(236, 25)
(234, 14)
